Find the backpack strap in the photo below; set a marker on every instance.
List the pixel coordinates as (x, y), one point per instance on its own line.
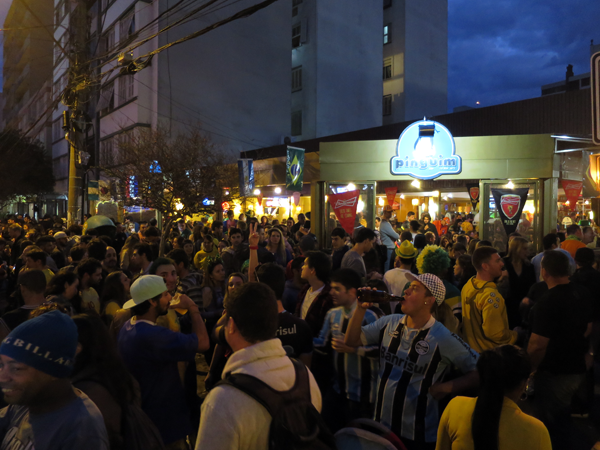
(270, 398)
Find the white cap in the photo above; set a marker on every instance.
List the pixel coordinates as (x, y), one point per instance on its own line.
(431, 282)
(145, 288)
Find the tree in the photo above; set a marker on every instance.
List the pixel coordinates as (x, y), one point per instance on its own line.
(25, 167)
(173, 175)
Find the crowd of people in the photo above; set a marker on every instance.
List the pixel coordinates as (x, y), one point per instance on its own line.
(124, 339)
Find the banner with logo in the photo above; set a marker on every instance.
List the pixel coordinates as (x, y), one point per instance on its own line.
(246, 174)
(294, 169)
(344, 206)
(510, 204)
(473, 190)
(390, 192)
(572, 190)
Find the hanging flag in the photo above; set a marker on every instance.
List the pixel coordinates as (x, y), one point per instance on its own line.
(260, 197)
(93, 191)
(590, 187)
(246, 175)
(510, 204)
(391, 196)
(572, 190)
(473, 190)
(294, 169)
(344, 206)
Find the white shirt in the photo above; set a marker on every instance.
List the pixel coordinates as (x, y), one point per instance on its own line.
(308, 300)
(395, 280)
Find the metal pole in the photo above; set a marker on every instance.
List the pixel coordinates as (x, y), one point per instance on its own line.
(73, 181)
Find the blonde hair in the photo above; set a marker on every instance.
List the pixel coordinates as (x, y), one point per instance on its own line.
(515, 247)
(281, 246)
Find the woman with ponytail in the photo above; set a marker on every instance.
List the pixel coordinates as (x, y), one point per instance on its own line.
(493, 421)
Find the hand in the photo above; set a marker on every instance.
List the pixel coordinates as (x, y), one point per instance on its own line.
(253, 236)
(304, 231)
(182, 301)
(337, 343)
(439, 390)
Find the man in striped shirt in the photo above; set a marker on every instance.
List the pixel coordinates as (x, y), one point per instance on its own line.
(355, 367)
(190, 283)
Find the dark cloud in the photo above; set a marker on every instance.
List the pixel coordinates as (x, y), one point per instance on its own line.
(505, 51)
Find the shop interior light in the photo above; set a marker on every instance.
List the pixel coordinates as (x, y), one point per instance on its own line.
(178, 206)
(433, 206)
(361, 206)
(226, 192)
(380, 201)
(298, 208)
(351, 187)
(449, 195)
(587, 202)
(510, 184)
(237, 210)
(436, 193)
(423, 206)
(415, 201)
(591, 215)
(445, 198)
(416, 184)
(256, 192)
(278, 190)
(402, 196)
(251, 206)
(326, 198)
(567, 202)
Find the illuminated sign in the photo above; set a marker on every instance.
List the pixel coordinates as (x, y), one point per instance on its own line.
(207, 202)
(426, 151)
(225, 206)
(277, 202)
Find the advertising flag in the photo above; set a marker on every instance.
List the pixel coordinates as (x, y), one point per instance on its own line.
(296, 197)
(473, 190)
(93, 191)
(294, 169)
(344, 206)
(510, 204)
(390, 192)
(572, 190)
(246, 174)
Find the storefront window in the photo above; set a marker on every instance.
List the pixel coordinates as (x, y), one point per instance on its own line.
(528, 226)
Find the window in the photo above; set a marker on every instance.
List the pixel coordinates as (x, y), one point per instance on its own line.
(387, 34)
(296, 123)
(106, 103)
(57, 131)
(60, 84)
(387, 68)
(61, 167)
(296, 34)
(107, 42)
(387, 105)
(62, 9)
(294, 11)
(297, 79)
(387, 3)
(125, 88)
(296, 2)
(127, 26)
(107, 156)
(58, 53)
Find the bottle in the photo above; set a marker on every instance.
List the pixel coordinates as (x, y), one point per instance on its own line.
(371, 296)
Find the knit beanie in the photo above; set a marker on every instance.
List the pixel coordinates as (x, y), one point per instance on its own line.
(46, 343)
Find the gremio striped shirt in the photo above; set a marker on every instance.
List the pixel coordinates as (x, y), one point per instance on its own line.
(412, 360)
(355, 373)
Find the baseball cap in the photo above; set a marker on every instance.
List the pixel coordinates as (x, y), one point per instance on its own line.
(406, 250)
(431, 282)
(145, 288)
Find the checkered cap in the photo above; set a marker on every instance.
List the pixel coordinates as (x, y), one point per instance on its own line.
(431, 282)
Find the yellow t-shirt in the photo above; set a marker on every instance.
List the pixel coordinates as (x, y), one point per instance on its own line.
(485, 323)
(90, 299)
(517, 431)
(201, 258)
(48, 274)
(467, 227)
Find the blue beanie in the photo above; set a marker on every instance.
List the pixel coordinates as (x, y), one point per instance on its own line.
(46, 343)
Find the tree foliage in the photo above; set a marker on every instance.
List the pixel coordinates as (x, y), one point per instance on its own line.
(172, 174)
(25, 167)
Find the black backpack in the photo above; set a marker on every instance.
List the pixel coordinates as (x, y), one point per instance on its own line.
(296, 422)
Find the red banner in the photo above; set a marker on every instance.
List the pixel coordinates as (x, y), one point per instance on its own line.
(344, 206)
(391, 196)
(572, 190)
(259, 198)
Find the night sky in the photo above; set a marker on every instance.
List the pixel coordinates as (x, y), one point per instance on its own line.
(502, 51)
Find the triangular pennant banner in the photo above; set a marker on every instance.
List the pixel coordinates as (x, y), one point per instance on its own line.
(473, 190)
(572, 190)
(390, 192)
(344, 206)
(510, 204)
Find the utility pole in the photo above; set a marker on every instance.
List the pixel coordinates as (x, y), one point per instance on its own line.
(74, 99)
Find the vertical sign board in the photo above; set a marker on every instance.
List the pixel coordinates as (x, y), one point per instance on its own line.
(595, 83)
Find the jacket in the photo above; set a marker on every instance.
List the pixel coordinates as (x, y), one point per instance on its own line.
(318, 310)
(485, 322)
(231, 419)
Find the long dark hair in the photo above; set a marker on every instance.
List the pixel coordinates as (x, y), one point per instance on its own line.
(98, 351)
(56, 285)
(501, 370)
(113, 290)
